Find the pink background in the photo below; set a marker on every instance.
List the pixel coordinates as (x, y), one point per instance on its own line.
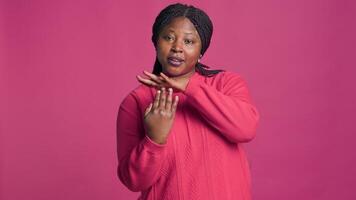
(67, 65)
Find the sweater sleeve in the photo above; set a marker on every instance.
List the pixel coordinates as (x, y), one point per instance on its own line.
(228, 110)
(140, 159)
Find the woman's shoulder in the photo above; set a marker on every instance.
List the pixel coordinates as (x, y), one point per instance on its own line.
(230, 75)
(224, 77)
(139, 94)
(142, 90)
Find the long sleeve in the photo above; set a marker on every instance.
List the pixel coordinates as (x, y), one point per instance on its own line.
(230, 110)
(140, 159)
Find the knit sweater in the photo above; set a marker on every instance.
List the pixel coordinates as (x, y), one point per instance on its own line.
(203, 157)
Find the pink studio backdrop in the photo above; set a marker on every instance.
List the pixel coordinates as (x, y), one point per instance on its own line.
(66, 66)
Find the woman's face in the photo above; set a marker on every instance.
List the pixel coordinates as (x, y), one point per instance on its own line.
(178, 48)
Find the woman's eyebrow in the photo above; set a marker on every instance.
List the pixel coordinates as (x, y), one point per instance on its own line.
(172, 30)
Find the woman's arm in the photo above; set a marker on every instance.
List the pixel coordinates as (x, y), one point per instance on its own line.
(230, 111)
(140, 158)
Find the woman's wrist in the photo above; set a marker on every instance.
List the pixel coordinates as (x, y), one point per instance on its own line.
(158, 140)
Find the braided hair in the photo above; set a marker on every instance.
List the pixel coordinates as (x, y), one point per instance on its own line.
(199, 19)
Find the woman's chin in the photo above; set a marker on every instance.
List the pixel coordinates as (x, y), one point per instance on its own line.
(172, 72)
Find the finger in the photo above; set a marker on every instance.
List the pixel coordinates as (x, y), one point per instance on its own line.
(156, 102)
(152, 76)
(169, 100)
(168, 81)
(162, 103)
(166, 78)
(146, 81)
(175, 103)
(148, 109)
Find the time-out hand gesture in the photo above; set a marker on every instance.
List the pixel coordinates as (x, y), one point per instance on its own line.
(164, 81)
(159, 115)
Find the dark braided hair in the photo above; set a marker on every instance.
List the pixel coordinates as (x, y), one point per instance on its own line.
(199, 19)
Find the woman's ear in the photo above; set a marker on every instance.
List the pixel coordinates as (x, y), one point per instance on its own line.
(200, 57)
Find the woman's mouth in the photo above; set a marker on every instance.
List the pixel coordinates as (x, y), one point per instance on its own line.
(175, 61)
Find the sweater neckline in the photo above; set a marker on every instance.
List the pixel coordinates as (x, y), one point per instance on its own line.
(193, 77)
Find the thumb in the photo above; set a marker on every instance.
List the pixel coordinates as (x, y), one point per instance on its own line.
(148, 109)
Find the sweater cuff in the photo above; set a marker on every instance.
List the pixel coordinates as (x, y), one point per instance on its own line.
(152, 146)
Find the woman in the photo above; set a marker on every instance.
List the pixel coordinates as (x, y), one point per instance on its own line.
(179, 133)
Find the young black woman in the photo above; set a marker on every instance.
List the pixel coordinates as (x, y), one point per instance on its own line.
(179, 132)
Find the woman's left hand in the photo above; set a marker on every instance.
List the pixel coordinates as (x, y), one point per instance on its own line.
(163, 81)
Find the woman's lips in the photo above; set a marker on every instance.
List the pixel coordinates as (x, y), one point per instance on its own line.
(175, 61)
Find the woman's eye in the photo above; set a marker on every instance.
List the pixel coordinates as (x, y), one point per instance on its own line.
(188, 42)
(167, 37)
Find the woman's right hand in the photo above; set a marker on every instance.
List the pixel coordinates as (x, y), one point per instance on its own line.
(159, 115)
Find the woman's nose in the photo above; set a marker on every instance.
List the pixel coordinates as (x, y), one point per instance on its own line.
(176, 47)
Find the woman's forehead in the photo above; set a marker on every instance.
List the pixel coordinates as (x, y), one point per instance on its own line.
(181, 25)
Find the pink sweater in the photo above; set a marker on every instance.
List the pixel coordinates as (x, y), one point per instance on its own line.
(203, 157)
